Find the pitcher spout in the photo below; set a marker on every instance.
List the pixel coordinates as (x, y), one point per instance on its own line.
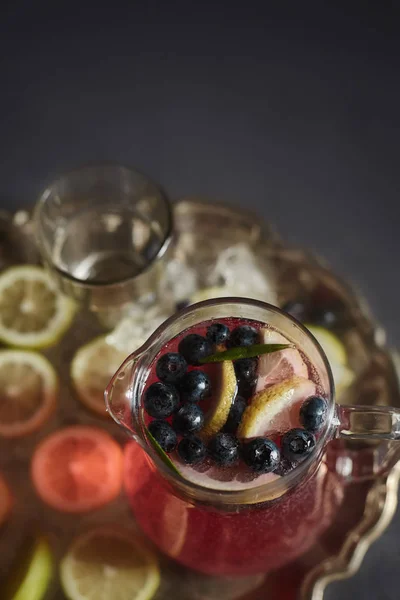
(120, 394)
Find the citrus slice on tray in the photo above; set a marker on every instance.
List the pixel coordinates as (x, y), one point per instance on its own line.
(29, 388)
(336, 354)
(109, 563)
(33, 313)
(277, 366)
(30, 576)
(77, 469)
(275, 409)
(5, 500)
(92, 368)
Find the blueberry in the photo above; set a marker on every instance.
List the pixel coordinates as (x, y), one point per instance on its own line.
(261, 455)
(296, 308)
(194, 347)
(297, 444)
(188, 419)
(191, 449)
(246, 374)
(182, 304)
(171, 367)
(195, 386)
(163, 433)
(313, 413)
(217, 333)
(246, 370)
(235, 415)
(224, 449)
(161, 400)
(245, 335)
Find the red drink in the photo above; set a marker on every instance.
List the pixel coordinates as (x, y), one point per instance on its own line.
(279, 511)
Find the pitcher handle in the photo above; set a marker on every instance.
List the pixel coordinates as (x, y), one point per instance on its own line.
(366, 422)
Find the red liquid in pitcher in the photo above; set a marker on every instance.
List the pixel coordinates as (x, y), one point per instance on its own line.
(258, 534)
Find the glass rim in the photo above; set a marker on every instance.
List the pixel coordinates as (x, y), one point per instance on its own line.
(273, 489)
(91, 285)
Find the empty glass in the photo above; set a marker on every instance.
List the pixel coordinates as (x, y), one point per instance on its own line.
(104, 231)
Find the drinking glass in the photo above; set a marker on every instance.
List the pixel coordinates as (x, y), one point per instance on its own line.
(257, 528)
(104, 231)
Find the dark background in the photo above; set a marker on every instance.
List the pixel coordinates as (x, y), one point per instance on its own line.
(292, 113)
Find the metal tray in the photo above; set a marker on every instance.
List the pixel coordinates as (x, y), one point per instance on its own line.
(203, 231)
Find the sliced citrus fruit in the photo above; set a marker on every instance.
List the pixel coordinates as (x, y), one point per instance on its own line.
(91, 370)
(29, 387)
(278, 366)
(77, 469)
(109, 562)
(32, 572)
(332, 346)
(224, 386)
(5, 500)
(33, 313)
(209, 293)
(276, 409)
(336, 354)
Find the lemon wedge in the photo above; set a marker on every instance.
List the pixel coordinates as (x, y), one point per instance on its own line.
(276, 409)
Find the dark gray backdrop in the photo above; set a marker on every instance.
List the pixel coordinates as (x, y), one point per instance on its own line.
(294, 115)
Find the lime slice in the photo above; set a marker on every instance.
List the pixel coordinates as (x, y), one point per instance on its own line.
(91, 370)
(337, 356)
(210, 293)
(29, 578)
(33, 314)
(276, 409)
(225, 385)
(29, 388)
(331, 345)
(107, 563)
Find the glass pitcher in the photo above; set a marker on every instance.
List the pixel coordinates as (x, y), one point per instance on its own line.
(258, 527)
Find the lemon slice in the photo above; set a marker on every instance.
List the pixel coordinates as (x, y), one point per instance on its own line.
(108, 563)
(336, 355)
(33, 313)
(276, 409)
(29, 388)
(224, 383)
(33, 582)
(91, 370)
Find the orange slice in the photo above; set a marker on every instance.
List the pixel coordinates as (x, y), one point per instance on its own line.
(5, 500)
(28, 392)
(77, 469)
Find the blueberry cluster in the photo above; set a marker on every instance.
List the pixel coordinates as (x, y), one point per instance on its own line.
(177, 394)
(179, 391)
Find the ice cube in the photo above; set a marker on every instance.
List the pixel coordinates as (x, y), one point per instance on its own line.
(238, 268)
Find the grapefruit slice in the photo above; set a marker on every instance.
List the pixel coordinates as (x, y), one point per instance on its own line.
(276, 409)
(5, 500)
(77, 469)
(92, 368)
(29, 387)
(278, 366)
(33, 313)
(109, 562)
(224, 386)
